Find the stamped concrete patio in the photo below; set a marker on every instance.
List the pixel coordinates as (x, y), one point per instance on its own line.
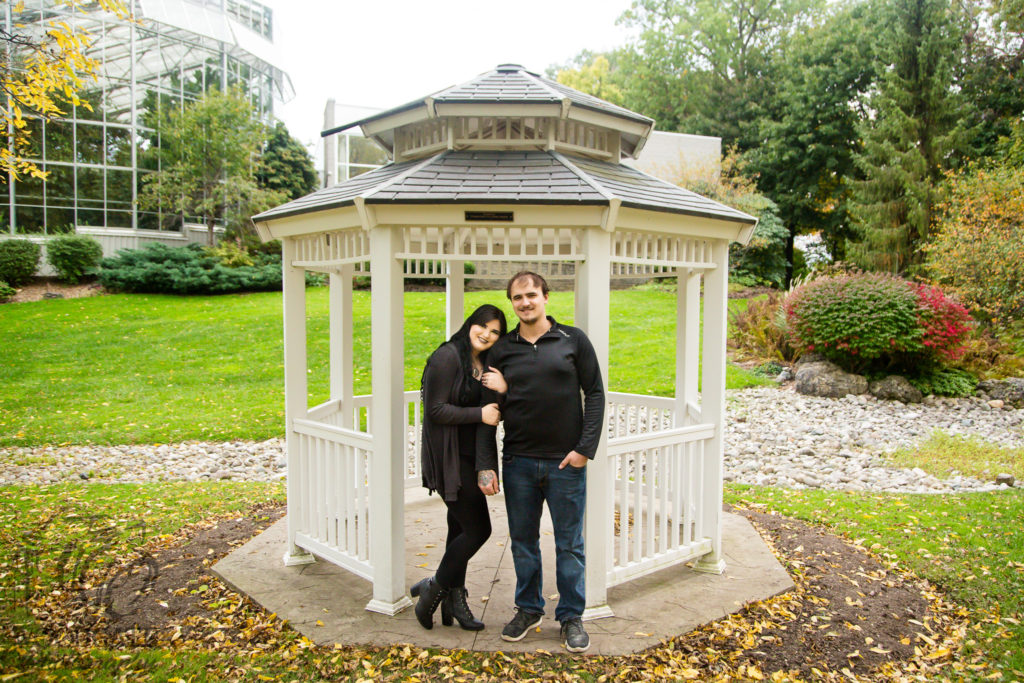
(326, 603)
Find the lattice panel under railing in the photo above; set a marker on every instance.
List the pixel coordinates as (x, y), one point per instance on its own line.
(639, 253)
(326, 251)
(492, 243)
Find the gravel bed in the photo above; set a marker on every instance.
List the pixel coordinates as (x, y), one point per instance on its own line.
(774, 437)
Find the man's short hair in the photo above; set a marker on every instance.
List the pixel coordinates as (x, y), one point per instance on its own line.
(535, 280)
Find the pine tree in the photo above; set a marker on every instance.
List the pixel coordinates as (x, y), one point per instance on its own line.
(911, 139)
(285, 165)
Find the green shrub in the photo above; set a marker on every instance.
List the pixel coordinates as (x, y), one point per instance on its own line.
(800, 268)
(157, 268)
(315, 279)
(6, 291)
(759, 330)
(73, 256)
(762, 261)
(230, 254)
(18, 261)
(876, 322)
(945, 382)
(855, 320)
(988, 355)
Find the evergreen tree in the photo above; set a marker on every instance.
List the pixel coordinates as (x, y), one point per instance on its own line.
(808, 132)
(912, 137)
(285, 165)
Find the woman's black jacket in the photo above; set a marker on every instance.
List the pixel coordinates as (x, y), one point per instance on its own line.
(440, 390)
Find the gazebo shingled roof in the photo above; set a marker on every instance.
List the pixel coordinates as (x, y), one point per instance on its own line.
(493, 177)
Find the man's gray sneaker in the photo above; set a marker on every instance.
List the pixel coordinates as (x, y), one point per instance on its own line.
(521, 623)
(574, 636)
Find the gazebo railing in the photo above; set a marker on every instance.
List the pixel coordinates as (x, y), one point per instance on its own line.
(655, 476)
(331, 413)
(331, 494)
(655, 479)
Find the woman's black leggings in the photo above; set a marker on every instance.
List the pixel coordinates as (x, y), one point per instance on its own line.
(469, 527)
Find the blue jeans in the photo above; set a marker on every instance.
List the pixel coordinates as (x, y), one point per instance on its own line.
(528, 483)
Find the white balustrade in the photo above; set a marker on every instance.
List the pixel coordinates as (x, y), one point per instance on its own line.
(655, 482)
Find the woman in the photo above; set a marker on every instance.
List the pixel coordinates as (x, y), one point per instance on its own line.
(453, 407)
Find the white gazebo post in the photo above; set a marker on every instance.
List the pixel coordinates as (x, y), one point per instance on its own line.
(687, 345)
(716, 302)
(295, 392)
(340, 311)
(455, 288)
(388, 424)
(592, 315)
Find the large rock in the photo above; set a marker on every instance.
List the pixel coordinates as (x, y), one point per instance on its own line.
(823, 378)
(895, 388)
(1010, 391)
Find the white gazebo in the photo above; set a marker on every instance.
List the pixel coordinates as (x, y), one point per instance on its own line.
(508, 170)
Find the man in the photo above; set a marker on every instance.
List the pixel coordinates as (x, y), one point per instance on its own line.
(550, 435)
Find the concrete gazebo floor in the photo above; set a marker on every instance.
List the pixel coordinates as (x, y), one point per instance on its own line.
(670, 602)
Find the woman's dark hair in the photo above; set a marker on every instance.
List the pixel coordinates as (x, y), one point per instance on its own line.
(481, 316)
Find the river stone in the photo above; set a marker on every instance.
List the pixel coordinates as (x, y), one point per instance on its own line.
(1009, 391)
(895, 388)
(1007, 479)
(828, 380)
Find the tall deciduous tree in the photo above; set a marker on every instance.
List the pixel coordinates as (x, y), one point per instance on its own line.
(285, 165)
(977, 251)
(912, 137)
(209, 157)
(808, 131)
(593, 77)
(697, 64)
(43, 69)
(992, 72)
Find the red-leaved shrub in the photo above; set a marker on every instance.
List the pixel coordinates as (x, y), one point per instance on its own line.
(944, 323)
(874, 321)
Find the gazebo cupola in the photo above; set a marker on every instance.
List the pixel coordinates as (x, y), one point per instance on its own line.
(509, 169)
(508, 109)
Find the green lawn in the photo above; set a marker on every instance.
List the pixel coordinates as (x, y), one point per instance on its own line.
(157, 369)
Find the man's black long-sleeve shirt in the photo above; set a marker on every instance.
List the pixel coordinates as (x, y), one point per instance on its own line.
(543, 413)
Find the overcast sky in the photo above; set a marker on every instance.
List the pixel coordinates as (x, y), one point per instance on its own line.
(383, 53)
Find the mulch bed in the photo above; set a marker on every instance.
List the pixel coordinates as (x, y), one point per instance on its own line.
(850, 615)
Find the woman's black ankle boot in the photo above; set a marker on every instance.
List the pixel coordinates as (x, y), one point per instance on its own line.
(456, 605)
(431, 595)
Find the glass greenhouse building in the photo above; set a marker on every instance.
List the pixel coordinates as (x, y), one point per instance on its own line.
(171, 53)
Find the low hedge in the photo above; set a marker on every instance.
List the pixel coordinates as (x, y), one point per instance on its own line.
(73, 256)
(160, 269)
(19, 260)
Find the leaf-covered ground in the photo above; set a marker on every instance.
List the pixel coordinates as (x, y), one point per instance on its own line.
(149, 608)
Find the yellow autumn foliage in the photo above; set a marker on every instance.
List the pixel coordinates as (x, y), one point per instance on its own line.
(978, 249)
(49, 65)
